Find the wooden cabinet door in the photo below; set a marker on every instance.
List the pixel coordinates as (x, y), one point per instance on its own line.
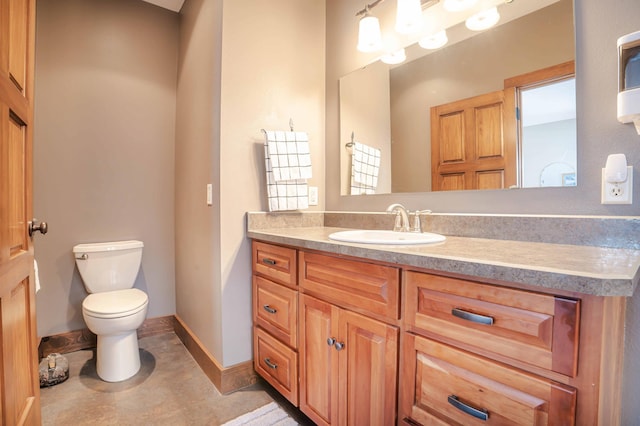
(19, 382)
(318, 322)
(473, 143)
(348, 366)
(368, 371)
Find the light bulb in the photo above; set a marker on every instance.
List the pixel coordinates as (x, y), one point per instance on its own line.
(369, 35)
(483, 20)
(408, 16)
(434, 41)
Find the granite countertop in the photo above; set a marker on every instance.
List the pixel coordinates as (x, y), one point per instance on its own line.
(591, 270)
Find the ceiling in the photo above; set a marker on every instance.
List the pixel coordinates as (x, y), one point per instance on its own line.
(174, 5)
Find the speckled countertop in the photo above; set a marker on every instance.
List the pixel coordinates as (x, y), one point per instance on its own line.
(599, 271)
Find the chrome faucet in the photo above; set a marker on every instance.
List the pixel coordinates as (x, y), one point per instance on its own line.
(402, 217)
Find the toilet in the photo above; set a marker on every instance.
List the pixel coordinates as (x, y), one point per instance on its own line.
(113, 310)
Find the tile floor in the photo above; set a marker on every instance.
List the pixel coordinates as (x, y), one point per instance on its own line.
(169, 389)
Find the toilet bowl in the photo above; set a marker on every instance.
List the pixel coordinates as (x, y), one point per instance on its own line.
(114, 317)
(113, 310)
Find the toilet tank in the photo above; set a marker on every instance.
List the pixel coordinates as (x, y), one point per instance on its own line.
(108, 266)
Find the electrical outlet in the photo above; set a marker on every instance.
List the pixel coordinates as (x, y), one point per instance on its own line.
(313, 195)
(617, 193)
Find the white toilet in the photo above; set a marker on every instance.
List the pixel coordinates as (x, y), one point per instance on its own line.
(114, 309)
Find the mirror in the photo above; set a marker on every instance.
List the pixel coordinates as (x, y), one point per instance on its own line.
(388, 107)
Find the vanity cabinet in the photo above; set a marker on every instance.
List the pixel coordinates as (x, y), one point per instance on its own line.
(353, 341)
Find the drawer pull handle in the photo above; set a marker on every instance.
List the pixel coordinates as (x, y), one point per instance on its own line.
(470, 316)
(270, 364)
(331, 341)
(339, 346)
(270, 309)
(478, 413)
(268, 261)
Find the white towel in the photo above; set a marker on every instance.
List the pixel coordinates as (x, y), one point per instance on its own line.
(288, 166)
(37, 276)
(289, 154)
(365, 166)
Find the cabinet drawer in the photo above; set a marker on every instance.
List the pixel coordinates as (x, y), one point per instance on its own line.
(355, 284)
(275, 308)
(444, 385)
(276, 263)
(276, 363)
(538, 329)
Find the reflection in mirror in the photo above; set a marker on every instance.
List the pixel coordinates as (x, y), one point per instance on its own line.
(401, 128)
(548, 134)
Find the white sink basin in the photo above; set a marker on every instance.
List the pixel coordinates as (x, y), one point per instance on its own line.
(386, 237)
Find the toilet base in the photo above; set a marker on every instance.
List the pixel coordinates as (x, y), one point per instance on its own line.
(117, 356)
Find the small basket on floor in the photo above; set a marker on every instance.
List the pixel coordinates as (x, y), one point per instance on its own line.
(54, 369)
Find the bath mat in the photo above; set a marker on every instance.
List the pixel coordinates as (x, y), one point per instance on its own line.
(268, 415)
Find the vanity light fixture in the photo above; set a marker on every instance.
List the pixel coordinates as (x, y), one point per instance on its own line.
(483, 20)
(434, 41)
(369, 35)
(394, 58)
(458, 5)
(408, 16)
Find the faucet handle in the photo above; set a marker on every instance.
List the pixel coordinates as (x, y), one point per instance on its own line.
(417, 225)
(397, 224)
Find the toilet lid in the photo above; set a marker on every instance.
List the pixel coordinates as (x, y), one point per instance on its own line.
(117, 303)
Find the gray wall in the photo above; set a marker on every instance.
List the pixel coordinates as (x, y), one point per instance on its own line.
(244, 66)
(103, 146)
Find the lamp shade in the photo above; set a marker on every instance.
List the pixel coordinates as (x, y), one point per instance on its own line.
(369, 35)
(434, 41)
(408, 16)
(483, 20)
(393, 58)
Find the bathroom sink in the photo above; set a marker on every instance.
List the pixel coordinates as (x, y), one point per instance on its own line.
(386, 237)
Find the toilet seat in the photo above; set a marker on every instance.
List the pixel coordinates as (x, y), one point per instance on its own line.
(115, 304)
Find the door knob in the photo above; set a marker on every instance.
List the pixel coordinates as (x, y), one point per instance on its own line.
(35, 226)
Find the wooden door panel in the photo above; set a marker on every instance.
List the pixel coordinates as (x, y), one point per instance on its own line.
(490, 179)
(452, 132)
(18, 50)
(368, 371)
(452, 182)
(488, 131)
(17, 148)
(318, 360)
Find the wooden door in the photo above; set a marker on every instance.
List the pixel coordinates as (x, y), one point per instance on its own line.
(368, 371)
(19, 383)
(473, 143)
(318, 360)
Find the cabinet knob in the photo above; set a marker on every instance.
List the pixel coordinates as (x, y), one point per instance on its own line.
(339, 346)
(331, 341)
